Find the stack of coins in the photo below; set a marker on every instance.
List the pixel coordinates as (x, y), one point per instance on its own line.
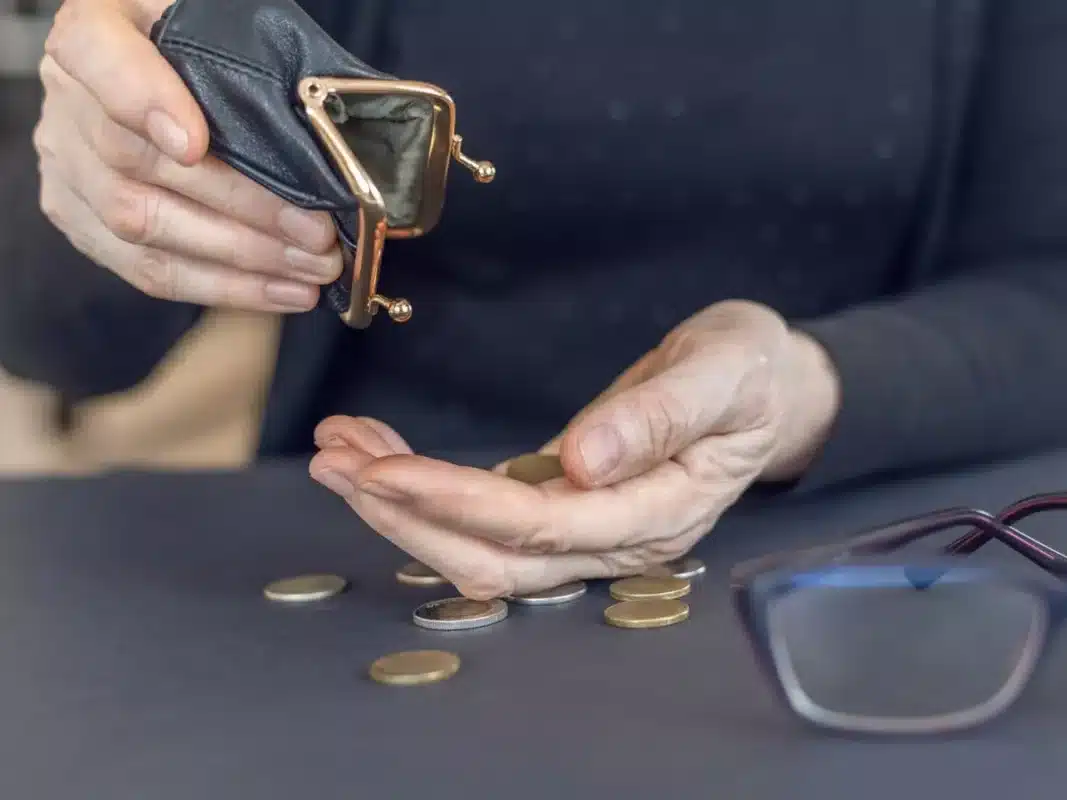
(648, 602)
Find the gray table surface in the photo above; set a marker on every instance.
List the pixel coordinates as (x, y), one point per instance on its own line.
(138, 659)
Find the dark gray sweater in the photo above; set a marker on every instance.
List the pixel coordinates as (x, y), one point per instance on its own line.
(890, 176)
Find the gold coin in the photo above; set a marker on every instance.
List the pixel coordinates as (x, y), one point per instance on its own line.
(416, 574)
(305, 588)
(535, 468)
(643, 587)
(646, 613)
(415, 667)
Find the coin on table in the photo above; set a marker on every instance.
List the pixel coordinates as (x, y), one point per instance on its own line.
(550, 597)
(642, 587)
(687, 567)
(535, 468)
(305, 588)
(646, 613)
(416, 574)
(459, 613)
(415, 667)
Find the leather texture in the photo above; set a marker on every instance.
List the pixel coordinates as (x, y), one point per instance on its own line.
(243, 62)
(141, 661)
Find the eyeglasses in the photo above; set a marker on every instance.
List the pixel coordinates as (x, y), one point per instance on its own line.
(860, 638)
(392, 141)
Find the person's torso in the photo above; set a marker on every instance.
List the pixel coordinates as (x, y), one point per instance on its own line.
(652, 159)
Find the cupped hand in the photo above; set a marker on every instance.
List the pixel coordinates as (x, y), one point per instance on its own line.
(125, 175)
(730, 397)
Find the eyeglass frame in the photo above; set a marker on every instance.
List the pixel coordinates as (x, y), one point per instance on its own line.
(883, 541)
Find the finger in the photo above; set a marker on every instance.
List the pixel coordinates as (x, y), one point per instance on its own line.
(554, 517)
(166, 275)
(363, 433)
(633, 374)
(144, 214)
(478, 568)
(646, 424)
(96, 42)
(209, 183)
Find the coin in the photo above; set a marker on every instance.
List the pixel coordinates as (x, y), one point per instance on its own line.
(305, 588)
(415, 667)
(687, 567)
(550, 597)
(646, 613)
(416, 574)
(535, 468)
(642, 587)
(459, 613)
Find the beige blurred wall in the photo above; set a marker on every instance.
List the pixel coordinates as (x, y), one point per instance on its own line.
(201, 409)
(22, 35)
(202, 406)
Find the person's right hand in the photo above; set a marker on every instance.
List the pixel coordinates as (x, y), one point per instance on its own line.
(126, 177)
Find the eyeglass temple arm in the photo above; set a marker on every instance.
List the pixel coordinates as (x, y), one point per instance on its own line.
(1052, 560)
(882, 540)
(893, 537)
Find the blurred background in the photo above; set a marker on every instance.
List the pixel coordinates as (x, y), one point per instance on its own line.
(23, 26)
(200, 409)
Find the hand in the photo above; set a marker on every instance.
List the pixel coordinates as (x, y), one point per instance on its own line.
(125, 175)
(730, 397)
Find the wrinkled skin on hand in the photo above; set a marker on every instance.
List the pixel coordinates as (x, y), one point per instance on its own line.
(126, 177)
(731, 396)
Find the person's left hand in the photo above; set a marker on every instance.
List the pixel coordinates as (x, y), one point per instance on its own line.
(730, 396)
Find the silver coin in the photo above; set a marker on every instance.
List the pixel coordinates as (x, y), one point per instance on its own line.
(459, 613)
(550, 597)
(687, 567)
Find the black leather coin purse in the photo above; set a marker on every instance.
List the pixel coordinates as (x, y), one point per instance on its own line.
(293, 110)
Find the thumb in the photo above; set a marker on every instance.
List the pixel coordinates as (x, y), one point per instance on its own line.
(100, 45)
(645, 425)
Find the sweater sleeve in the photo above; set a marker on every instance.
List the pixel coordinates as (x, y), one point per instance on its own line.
(64, 321)
(973, 367)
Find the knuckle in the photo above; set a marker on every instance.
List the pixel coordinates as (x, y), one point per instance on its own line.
(129, 211)
(48, 72)
(155, 273)
(49, 203)
(544, 540)
(42, 141)
(544, 535)
(63, 34)
(121, 149)
(665, 420)
(617, 563)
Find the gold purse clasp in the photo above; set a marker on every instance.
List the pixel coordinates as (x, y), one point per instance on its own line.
(436, 113)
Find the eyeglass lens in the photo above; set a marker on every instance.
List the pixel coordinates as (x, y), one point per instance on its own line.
(863, 648)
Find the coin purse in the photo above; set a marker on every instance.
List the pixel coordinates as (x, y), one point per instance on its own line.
(294, 111)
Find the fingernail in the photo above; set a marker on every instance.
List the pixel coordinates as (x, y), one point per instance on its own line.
(601, 450)
(167, 134)
(310, 266)
(288, 296)
(335, 482)
(383, 492)
(303, 228)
